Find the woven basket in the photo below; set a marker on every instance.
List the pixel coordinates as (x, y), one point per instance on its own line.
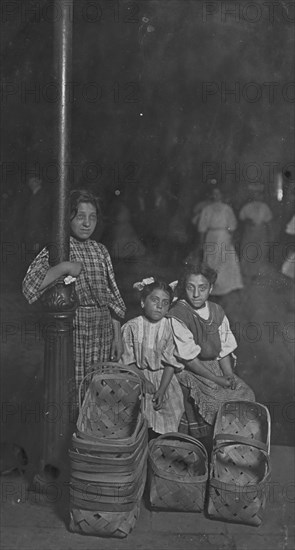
(103, 524)
(107, 517)
(178, 473)
(109, 453)
(240, 467)
(113, 404)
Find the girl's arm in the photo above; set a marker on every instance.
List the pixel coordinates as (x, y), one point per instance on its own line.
(228, 345)
(165, 381)
(226, 367)
(187, 351)
(117, 347)
(40, 275)
(59, 270)
(149, 386)
(196, 367)
(116, 304)
(225, 364)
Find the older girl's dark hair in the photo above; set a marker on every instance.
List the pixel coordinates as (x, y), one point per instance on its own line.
(78, 196)
(159, 284)
(199, 267)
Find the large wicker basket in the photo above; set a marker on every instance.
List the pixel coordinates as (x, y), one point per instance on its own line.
(177, 473)
(109, 453)
(113, 404)
(240, 465)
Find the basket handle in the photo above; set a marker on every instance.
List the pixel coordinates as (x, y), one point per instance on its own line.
(224, 486)
(186, 438)
(120, 368)
(183, 437)
(222, 440)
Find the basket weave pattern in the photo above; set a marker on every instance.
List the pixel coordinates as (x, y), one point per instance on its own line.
(111, 406)
(240, 466)
(108, 454)
(178, 473)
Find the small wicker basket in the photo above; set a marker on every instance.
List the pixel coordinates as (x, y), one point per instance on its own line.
(240, 466)
(177, 473)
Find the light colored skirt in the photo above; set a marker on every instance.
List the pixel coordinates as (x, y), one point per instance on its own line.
(208, 396)
(220, 254)
(166, 419)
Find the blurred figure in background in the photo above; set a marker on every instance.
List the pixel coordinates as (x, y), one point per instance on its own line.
(121, 237)
(256, 235)
(288, 267)
(216, 225)
(203, 200)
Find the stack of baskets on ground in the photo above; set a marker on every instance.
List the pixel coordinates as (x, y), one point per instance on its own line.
(240, 468)
(178, 473)
(109, 454)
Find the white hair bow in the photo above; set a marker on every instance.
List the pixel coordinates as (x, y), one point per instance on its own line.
(173, 285)
(140, 285)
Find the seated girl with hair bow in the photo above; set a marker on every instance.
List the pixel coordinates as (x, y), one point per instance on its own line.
(149, 350)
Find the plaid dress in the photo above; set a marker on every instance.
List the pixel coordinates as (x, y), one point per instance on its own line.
(97, 294)
(150, 347)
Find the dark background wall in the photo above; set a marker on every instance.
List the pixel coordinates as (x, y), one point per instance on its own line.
(150, 97)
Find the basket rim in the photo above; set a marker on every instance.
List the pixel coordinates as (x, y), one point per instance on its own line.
(76, 456)
(112, 478)
(114, 371)
(178, 435)
(225, 440)
(250, 487)
(98, 371)
(192, 444)
(221, 412)
(104, 444)
(106, 466)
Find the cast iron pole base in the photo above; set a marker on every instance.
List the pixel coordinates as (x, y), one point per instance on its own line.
(60, 399)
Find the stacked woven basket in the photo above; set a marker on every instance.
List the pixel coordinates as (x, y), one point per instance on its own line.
(240, 465)
(109, 454)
